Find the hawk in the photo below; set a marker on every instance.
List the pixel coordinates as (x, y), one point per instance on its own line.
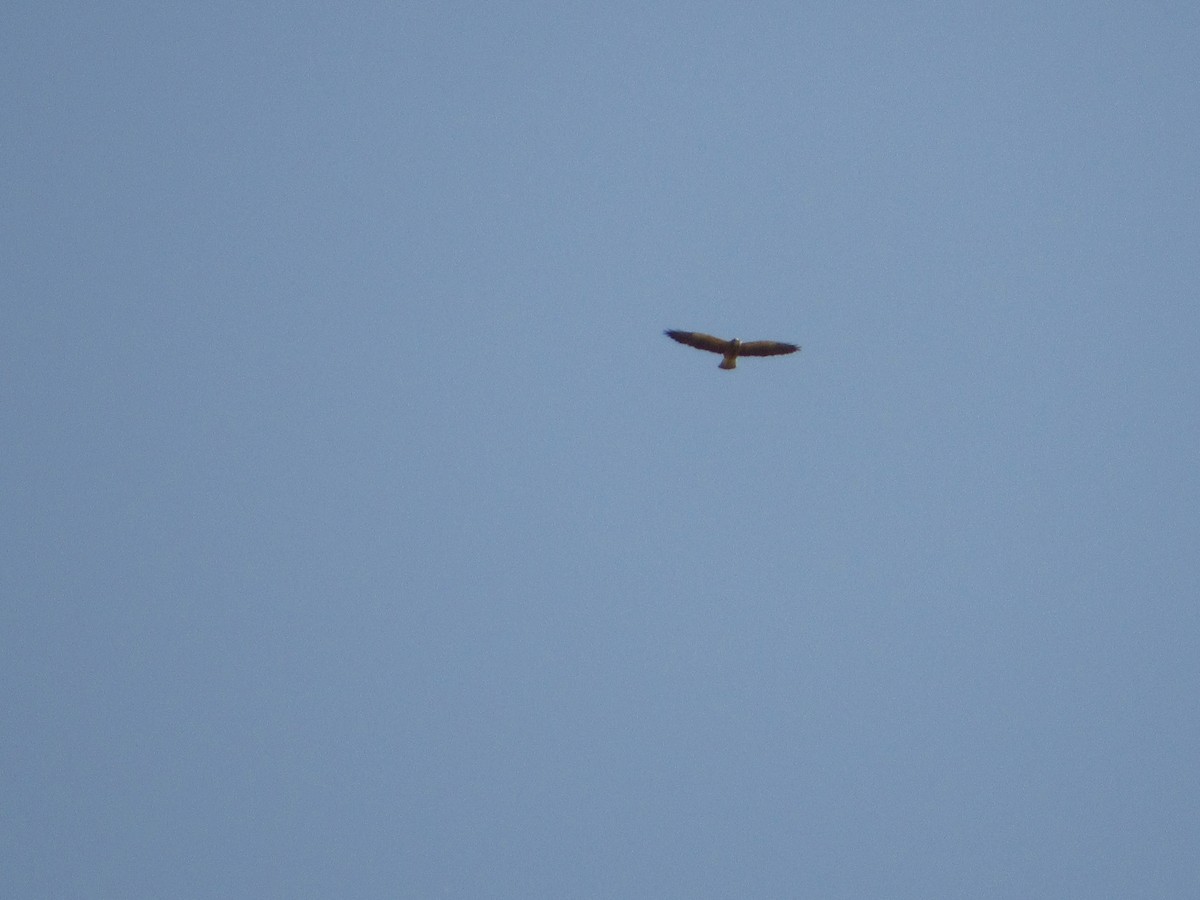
(731, 350)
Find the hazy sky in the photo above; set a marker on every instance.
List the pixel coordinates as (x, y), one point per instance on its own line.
(362, 535)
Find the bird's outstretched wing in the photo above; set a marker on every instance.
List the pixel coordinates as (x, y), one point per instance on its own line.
(765, 348)
(700, 341)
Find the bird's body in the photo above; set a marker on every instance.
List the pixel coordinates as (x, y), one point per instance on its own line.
(730, 350)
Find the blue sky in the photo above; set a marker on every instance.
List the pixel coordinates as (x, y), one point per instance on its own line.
(363, 536)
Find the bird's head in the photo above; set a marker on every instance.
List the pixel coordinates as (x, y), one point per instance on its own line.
(735, 345)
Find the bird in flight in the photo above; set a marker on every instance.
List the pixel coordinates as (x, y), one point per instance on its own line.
(731, 350)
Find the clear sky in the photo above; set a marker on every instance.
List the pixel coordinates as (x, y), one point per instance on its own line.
(363, 536)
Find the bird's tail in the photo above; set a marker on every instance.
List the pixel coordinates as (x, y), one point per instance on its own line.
(729, 362)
